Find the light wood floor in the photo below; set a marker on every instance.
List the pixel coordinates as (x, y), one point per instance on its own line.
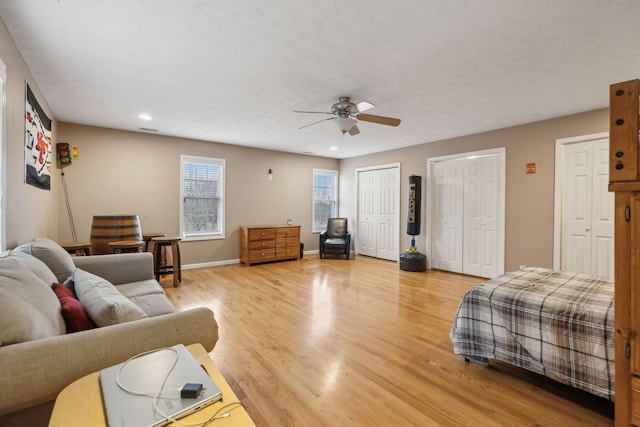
(360, 343)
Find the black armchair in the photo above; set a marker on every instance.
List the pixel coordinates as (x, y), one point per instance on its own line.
(336, 239)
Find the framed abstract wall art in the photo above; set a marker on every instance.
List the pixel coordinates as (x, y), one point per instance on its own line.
(37, 145)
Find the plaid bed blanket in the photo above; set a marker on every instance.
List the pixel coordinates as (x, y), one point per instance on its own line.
(558, 324)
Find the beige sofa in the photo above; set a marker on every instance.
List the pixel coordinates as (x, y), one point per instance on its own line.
(39, 357)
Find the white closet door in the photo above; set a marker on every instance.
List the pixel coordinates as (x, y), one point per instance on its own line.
(587, 210)
(491, 265)
(576, 242)
(480, 242)
(448, 215)
(378, 204)
(473, 206)
(387, 213)
(602, 242)
(466, 215)
(367, 213)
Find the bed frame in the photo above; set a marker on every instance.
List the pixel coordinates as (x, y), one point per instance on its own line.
(554, 323)
(624, 181)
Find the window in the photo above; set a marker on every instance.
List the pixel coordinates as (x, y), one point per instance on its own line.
(325, 197)
(202, 196)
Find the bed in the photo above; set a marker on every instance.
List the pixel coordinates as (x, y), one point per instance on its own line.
(557, 324)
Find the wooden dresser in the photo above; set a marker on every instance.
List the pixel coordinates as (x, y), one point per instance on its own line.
(269, 243)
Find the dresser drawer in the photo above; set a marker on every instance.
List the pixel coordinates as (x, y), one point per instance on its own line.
(263, 255)
(288, 232)
(288, 252)
(261, 244)
(287, 242)
(262, 233)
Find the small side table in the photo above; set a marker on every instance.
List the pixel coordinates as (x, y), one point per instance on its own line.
(124, 246)
(80, 403)
(78, 249)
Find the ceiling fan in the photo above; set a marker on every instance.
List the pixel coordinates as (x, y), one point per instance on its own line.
(346, 112)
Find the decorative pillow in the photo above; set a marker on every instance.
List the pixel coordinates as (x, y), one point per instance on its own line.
(52, 254)
(74, 314)
(104, 304)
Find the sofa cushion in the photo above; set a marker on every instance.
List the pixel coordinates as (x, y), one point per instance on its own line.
(148, 295)
(30, 310)
(153, 304)
(35, 265)
(74, 314)
(102, 301)
(52, 254)
(143, 287)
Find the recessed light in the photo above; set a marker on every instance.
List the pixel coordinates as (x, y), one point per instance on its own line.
(144, 116)
(333, 148)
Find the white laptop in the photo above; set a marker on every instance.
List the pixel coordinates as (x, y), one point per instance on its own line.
(146, 374)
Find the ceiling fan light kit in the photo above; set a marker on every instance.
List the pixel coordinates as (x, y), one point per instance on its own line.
(345, 124)
(346, 112)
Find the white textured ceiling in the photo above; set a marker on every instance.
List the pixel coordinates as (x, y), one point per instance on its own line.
(233, 71)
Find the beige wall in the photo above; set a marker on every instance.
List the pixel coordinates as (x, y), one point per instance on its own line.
(529, 198)
(28, 211)
(127, 172)
(120, 172)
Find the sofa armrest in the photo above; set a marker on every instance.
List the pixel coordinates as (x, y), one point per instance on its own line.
(36, 371)
(118, 268)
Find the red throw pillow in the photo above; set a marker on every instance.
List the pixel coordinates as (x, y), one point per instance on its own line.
(75, 317)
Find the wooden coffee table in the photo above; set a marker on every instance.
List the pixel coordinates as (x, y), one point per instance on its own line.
(80, 403)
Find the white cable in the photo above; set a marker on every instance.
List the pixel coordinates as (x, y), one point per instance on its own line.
(156, 395)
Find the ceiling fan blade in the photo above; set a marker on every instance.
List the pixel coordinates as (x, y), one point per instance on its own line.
(354, 130)
(363, 106)
(313, 112)
(315, 123)
(389, 121)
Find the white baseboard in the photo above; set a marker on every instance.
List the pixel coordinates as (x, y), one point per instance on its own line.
(228, 262)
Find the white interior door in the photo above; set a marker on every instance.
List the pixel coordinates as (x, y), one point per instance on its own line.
(366, 213)
(388, 204)
(473, 216)
(465, 211)
(587, 209)
(448, 216)
(480, 237)
(378, 212)
(602, 214)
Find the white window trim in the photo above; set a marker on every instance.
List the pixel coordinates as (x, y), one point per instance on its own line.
(204, 160)
(328, 172)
